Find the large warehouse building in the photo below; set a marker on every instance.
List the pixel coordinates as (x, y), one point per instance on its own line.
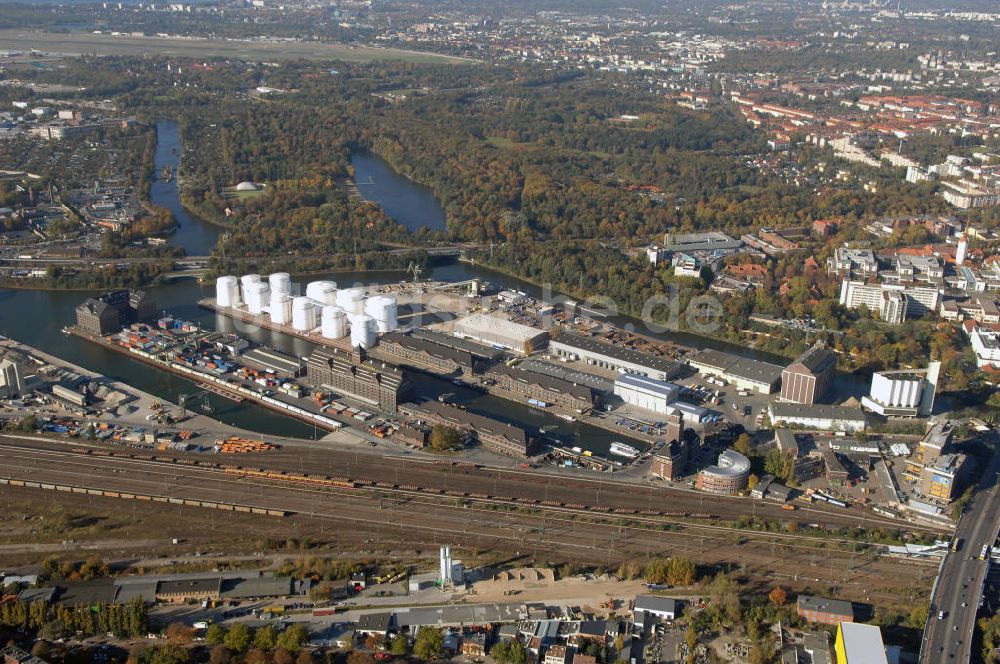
(542, 387)
(348, 374)
(613, 358)
(648, 393)
(904, 393)
(497, 436)
(501, 333)
(810, 377)
(111, 311)
(744, 373)
(819, 416)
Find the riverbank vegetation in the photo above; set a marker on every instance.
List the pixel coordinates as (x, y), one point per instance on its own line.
(558, 175)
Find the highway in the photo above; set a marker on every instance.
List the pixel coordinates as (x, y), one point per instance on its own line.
(419, 518)
(959, 586)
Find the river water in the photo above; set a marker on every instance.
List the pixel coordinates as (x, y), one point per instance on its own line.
(36, 317)
(196, 236)
(409, 203)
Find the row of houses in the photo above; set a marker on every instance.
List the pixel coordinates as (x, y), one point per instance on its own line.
(547, 638)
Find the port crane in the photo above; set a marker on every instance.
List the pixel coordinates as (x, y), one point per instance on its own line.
(415, 270)
(185, 399)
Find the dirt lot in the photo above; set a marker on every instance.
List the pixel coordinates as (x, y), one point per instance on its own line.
(576, 589)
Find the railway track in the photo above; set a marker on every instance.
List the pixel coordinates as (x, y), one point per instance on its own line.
(506, 496)
(527, 486)
(417, 517)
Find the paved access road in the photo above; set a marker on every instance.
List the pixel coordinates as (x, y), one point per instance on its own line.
(960, 584)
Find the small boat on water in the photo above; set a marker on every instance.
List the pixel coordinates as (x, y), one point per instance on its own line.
(568, 418)
(623, 450)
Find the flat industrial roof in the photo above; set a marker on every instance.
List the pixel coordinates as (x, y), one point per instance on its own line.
(658, 387)
(479, 614)
(596, 347)
(269, 357)
(484, 323)
(737, 366)
(817, 411)
(592, 381)
(655, 603)
(458, 343)
(863, 644)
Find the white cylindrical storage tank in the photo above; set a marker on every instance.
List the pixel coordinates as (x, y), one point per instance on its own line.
(383, 309)
(227, 291)
(333, 323)
(257, 297)
(280, 282)
(351, 300)
(363, 331)
(322, 293)
(281, 309)
(303, 314)
(245, 282)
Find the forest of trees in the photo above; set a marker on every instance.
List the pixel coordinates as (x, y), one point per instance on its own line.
(536, 164)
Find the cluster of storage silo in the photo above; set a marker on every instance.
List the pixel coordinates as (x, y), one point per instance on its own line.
(336, 313)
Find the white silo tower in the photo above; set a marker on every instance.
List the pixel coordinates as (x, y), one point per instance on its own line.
(351, 300)
(383, 309)
(280, 282)
(363, 331)
(245, 282)
(227, 292)
(323, 293)
(257, 297)
(281, 308)
(303, 314)
(333, 323)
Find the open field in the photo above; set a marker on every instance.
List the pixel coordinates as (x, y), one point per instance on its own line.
(78, 43)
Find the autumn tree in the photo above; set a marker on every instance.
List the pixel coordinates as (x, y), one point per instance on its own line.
(743, 445)
(429, 644)
(444, 438)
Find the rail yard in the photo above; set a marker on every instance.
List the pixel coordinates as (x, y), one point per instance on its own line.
(624, 522)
